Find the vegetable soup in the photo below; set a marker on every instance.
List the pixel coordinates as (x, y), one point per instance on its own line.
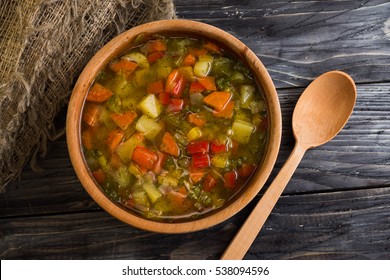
(174, 127)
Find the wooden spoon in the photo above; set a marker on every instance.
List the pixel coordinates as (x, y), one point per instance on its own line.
(321, 112)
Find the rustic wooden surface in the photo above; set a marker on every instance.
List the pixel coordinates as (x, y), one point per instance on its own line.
(336, 206)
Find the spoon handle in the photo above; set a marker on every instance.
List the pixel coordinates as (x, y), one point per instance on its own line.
(253, 224)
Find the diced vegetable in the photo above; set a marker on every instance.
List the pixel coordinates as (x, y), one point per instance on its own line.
(169, 145)
(230, 179)
(124, 66)
(216, 147)
(92, 114)
(227, 112)
(114, 139)
(219, 161)
(175, 105)
(199, 147)
(200, 160)
(209, 183)
(160, 162)
(125, 150)
(87, 139)
(175, 83)
(246, 169)
(152, 57)
(98, 93)
(138, 58)
(163, 98)
(155, 87)
(208, 82)
(148, 127)
(150, 106)
(124, 120)
(196, 119)
(156, 45)
(196, 174)
(242, 131)
(151, 191)
(194, 134)
(189, 60)
(144, 157)
(213, 47)
(196, 87)
(202, 68)
(218, 99)
(247, 93)
(99, 175)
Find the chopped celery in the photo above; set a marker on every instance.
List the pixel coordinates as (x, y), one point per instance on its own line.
(140, 198)
(151, 191)
(202, 68)
(222, 66)
(125, 150)
(243, 115)
(114, 104)
(194, 133)
(219, 160)
(150, 106)
(242, 131)
(188, 73)
(139, 58)
(148, 127)
(122, 176)
(237, 77)
(247, 93)
(168, 180)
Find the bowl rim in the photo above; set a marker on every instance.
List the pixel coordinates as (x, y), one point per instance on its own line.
(120, 44)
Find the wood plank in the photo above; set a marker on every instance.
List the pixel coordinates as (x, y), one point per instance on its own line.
(335, 225)
(299, 40)
(357, 158)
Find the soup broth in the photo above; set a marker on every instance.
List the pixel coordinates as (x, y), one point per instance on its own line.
(174, 127)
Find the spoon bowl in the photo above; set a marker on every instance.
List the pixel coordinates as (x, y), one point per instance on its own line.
(323, 109)
(321, 112)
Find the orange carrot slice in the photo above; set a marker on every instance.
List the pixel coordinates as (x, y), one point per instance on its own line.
(208, 83)
(98, 93)
(227, 112)
(123, 65)
(114, 139)
(217, 99)
(124, 120)
(169, 145)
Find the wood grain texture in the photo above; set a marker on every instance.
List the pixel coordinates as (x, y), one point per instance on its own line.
(336, 205)
(299, 40)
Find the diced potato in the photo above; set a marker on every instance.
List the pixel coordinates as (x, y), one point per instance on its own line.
(243, 115)
(139, 58)
(242, 131)
(194, 133)
(219, 161)
(150, 106)
(125, 150)
(202, 68)
(247, 93)
(162, 68)
(151, 191)
(143, 77)
(187, 72)
(148, 127)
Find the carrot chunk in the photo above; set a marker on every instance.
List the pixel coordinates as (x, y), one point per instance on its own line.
(196, 119)
(196, 87)
(169, 145)
(123, 65)
(157, 46)
(217, 99)
(114, 139)
(189, 60)
(208, 82)
(124, 120)
(212, 47)
(91, 114)
(155, 87)
(98, 93)
(227, 112)
(144, 157)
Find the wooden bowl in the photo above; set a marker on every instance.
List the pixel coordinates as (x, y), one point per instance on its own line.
(122, 43)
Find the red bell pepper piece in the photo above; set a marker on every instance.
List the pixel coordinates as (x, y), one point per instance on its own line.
(175, 83)
(209, 183)
(199, 147)
(230, 179)
(196, 87)
(246, 169)
(175, 105)
(200, 160)
(163, 97)
(216, 148)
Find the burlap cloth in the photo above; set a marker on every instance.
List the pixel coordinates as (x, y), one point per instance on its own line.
(43, 47)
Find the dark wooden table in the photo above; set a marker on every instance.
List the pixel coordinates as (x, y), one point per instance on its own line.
(336, 206)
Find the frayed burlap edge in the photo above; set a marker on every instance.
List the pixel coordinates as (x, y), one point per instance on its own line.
(55, 40)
